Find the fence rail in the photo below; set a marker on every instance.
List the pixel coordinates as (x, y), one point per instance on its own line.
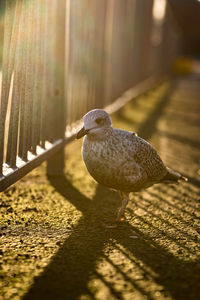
(63, 58)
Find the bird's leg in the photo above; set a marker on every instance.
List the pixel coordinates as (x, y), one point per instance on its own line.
(120, 216)
(124, 198)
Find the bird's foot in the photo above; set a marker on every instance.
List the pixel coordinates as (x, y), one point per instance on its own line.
(114, 224)
(120, 218)
(110, 224)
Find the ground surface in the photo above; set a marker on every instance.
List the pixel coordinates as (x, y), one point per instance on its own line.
(53, 244)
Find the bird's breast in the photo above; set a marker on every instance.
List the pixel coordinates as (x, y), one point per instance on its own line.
(108, 163)
(98, 156)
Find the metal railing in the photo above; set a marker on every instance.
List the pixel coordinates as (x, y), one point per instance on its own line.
(63, 58)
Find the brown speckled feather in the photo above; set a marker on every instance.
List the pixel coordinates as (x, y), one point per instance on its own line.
(122, 161)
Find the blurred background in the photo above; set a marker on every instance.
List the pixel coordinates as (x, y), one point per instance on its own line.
(187, 15)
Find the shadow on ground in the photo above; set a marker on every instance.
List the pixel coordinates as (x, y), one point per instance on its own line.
(68, 274)
(140, 242)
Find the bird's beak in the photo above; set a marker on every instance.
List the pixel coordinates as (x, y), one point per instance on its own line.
(81, 133)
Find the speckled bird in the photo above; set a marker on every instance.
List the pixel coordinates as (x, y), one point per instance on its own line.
(120, 159)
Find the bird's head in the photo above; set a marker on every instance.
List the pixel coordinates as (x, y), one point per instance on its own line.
(96, 123)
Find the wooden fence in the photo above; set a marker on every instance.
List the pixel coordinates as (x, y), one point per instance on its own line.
(63, 58)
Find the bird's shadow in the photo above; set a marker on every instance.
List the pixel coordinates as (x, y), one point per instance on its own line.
(68, 274)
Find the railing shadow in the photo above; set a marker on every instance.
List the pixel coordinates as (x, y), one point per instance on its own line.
(75, 264)
(68, 274)
(80, 252)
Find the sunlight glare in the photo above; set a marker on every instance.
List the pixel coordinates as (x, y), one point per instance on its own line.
(159, 8)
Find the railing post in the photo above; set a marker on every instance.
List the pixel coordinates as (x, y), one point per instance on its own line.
(55, 165)
(2, 112)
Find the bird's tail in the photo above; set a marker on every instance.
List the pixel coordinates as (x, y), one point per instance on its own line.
(173, 176)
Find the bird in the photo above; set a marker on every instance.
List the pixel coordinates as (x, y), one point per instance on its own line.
(120, 159)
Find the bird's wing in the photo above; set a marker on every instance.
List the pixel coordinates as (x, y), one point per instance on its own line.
(147, 157)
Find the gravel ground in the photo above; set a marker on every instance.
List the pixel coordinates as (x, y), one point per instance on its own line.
(53, 244)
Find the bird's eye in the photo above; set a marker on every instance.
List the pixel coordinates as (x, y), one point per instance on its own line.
(98, 120)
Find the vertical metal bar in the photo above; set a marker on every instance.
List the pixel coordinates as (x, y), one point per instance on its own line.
(75, 82)
(139, 10)
(167, 42)
(50, 71)
(22, 92)
(146, 39)
(43, 83)
(131, 27)
(67, 62)
(70, 59)
(30, 74)
(17, 85)
(14, 121)
(2, 30)
(55, 165)
(94, 45)
(10, 32)
(15, 101)
(100, 48)
(6, 11)
(79, 60)
(55, 65)
(24, 56)
(90, 103)
(27, 74)
(36, 99)
(46, 86)
(82, 60)
(108, 50)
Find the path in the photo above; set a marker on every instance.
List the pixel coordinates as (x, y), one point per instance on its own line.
(53, 242)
